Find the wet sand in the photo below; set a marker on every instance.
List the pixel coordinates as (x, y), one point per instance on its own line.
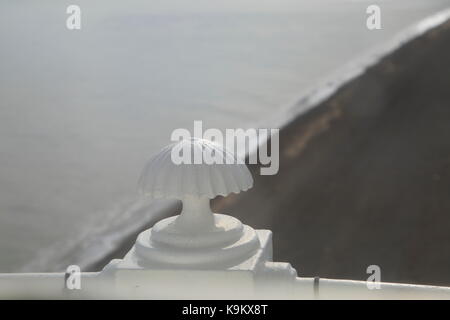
(365, 176)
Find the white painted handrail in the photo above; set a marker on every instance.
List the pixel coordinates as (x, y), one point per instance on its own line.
(314, 288)
(96, 286)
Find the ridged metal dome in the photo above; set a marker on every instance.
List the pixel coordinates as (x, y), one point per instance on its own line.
(162, 177)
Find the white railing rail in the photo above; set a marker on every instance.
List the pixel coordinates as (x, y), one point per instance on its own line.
(96, 286)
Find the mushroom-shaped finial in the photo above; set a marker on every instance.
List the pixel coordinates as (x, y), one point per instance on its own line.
(194, 171)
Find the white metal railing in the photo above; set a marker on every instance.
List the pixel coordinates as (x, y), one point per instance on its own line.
(97, 286)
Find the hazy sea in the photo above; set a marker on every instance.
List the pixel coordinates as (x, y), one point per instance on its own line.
(81, 111)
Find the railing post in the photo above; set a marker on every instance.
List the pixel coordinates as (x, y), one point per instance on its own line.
(214, 255)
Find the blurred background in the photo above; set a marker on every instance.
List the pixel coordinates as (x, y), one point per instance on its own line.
(82, 110)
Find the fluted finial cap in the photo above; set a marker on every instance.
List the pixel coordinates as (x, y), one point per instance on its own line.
(165, 178)
(196, 237)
